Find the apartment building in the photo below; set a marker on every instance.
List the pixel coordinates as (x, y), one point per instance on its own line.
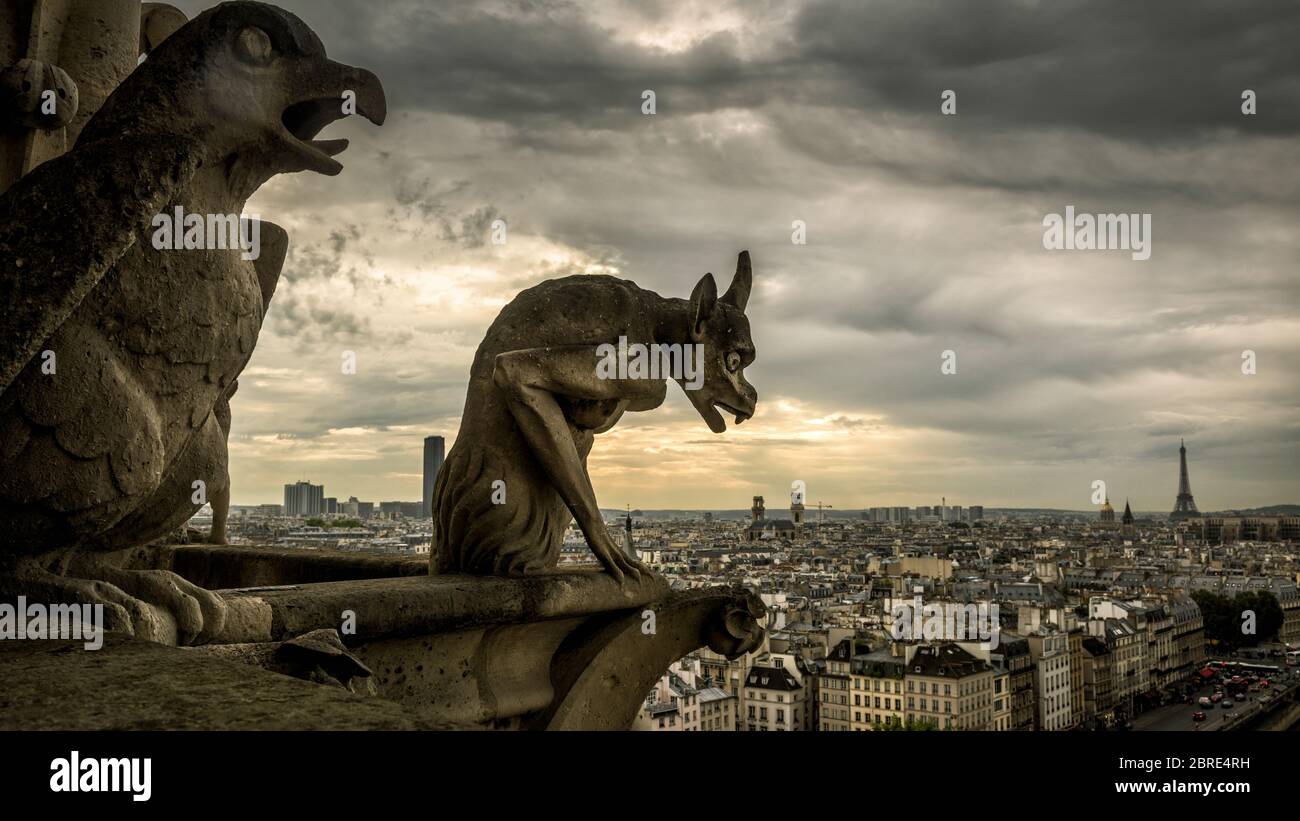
(877, 686)
(1189, 635)
(1020, 665)
(776, 696)
(718, 710)
(1076, 633)
(1013, 683)
(1050, 649)
(1128, 660)
(833, 684)
(672, 705)
(948, 687)
(1098, 683)
(1002, 701)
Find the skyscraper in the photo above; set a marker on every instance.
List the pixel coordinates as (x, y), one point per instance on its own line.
(433, 455)
(1184, 505)
(304, 499)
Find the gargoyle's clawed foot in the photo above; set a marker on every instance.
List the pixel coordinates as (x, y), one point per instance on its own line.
(634, 572)
(625, 570)
(199, 614)
(121, 613)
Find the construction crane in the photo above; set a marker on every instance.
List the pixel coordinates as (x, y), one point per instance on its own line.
(820, 505)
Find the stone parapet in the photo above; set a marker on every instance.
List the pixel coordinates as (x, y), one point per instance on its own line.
(553, 651)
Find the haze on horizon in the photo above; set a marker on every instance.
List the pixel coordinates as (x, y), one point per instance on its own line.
(924, 235)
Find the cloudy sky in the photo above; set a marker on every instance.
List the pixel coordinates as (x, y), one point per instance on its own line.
(924, 234)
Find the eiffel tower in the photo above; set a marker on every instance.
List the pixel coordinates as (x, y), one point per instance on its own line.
(1185, 505)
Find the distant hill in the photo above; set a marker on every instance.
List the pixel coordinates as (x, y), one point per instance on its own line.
(1271, 510)
(811, 513)
(989, 513)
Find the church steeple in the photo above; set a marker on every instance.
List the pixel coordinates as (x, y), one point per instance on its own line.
(628, 547)
(1127, 528)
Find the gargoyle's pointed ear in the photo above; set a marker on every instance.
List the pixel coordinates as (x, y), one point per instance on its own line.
(738, 293)
(703, 300)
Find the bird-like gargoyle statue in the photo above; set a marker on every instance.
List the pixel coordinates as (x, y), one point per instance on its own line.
(563, 362)
(118, 355)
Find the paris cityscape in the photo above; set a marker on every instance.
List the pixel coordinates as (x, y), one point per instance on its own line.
(1108, 620)
(475, 385)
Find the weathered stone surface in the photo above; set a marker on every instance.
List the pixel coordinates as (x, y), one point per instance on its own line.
(324, 649)
(526, 653)
(135, 685)
(93, 45)
(25, 87)
(538, 397)
(428, 605)
(103, 452)
(318, 656)
(231, 566)
(603, 670)
(481, 651)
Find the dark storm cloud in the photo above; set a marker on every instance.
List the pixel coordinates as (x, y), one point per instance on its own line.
(475, 227)
(311, 322)
(924, 230)
(1157, 69)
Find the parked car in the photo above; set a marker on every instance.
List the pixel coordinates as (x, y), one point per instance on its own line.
(1216, 698)
(1264, 683)
(1198, 716)
(1228, 704)
(1204, 701)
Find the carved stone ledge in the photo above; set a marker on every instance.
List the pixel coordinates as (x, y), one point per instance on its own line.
(556, 651)
(391, 608)
(605, 667)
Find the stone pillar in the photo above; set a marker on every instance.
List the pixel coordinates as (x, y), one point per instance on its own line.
(91, 45)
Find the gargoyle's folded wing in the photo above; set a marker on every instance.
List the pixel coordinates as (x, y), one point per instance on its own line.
(64, 225)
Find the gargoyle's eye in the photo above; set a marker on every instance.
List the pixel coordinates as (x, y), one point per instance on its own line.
(733, 361)
(254, 46)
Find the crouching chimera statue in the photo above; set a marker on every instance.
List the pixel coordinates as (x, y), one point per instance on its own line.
(539, 394)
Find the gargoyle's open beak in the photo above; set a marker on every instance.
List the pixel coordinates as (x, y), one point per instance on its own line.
(323, 97)
(708, 410)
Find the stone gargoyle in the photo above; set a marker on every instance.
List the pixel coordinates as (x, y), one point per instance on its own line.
(541, 389)
(118, 358)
